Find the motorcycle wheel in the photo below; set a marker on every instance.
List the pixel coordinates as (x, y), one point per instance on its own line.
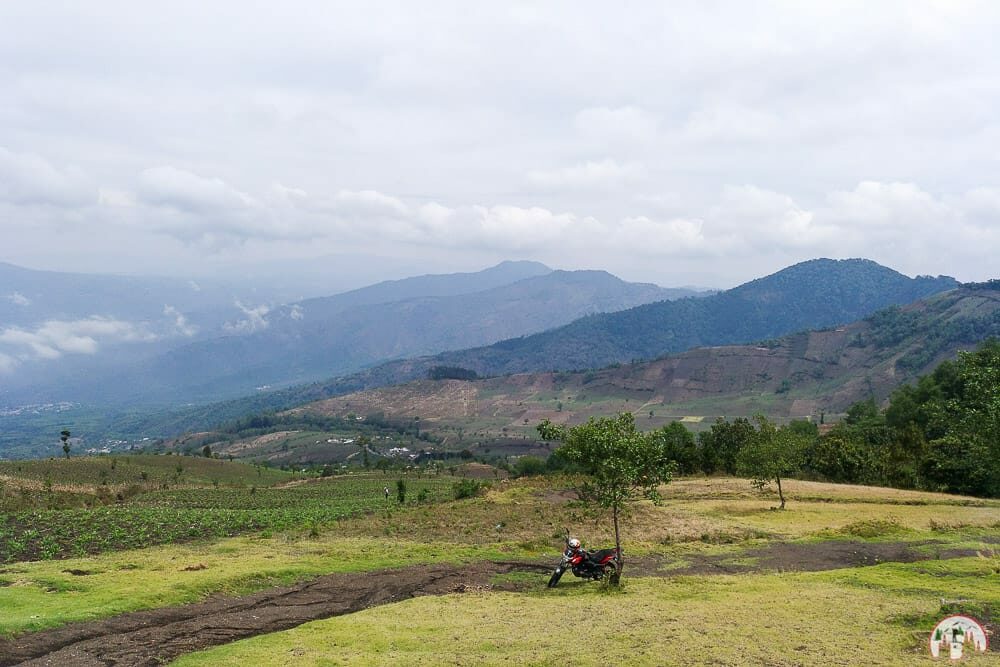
(554, 579)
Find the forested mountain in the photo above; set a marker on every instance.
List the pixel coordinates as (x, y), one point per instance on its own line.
(805, 375)
(810, 295)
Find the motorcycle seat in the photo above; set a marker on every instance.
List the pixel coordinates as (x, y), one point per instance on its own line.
(598, 556)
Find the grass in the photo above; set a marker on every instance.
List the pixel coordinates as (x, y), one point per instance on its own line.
(874, 615)
(161, 517)
(44, 594)
(757, 618)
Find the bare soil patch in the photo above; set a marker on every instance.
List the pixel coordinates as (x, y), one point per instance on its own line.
(157, 636)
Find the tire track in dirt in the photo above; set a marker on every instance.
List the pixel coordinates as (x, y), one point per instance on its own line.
(156, 636)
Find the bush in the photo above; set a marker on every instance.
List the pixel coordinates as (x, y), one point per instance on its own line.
(468, 488)
(529, 465)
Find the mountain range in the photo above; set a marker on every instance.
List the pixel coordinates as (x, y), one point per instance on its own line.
(813, 375)
(124, 341)
(810, 295)
(318, 336)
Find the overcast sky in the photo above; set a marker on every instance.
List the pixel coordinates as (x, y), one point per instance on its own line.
(701, 143)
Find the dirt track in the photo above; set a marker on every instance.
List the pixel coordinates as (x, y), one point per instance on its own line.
(157, 636)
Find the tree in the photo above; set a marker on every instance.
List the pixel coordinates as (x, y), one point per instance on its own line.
(529, 465)
(679, 446)
(206, 451)
(621, 463)
(708, 454)
(64, 436)
(771, 454)
(401, 491)
(728, 439)
(363, 442)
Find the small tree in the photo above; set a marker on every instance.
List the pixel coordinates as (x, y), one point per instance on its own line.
(772, 453)
(621, 463)
(64, 436)
(206, 451)
(401, 491)
(363, 443)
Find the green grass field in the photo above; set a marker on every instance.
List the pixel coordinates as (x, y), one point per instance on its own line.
(670, 612)
(872, 618)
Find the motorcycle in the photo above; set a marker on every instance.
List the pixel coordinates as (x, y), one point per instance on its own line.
(587, 565)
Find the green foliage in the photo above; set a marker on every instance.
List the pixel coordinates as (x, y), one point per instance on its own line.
(530, 465)
(161, 517)
(401, 491)
(468, 488)
(708, 454)
(620, 463)
(64, 437)
(451, 373)
(942, 434)
(678, 445)
(771, 454)
(728, 438)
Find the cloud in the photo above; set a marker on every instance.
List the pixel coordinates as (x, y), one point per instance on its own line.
(55, 338)
(604, 174)
(180, 324)
(189, 192)
(18, 299)
(256, 319)
(296, 313)
(750, 217)
(617, 126)
(27, 179)
(7, 363)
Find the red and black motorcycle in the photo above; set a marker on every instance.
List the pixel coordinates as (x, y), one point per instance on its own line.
(585, 564)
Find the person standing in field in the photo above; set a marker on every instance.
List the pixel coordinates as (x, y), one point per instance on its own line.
(386, 494)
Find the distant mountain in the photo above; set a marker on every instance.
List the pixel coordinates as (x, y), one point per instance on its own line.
(820, 293)
(811, 374)
(814, 294)
(317, 338)
(29, 297)
(449, 284)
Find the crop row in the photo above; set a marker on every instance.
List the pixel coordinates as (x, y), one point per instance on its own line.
(184, 515)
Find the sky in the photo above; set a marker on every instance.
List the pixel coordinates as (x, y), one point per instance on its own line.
(702, 143)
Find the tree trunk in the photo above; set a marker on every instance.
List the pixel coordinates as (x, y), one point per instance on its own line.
(616, 577)
(780, 494)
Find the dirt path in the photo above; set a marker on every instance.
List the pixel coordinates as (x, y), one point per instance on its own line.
(156, 636)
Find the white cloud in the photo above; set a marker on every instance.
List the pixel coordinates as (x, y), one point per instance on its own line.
(188, 192)
(256, 319)
(181, 325)
(18, 299)
(873, 205)
(27, 179)
(619, 126)
(7, 363)
(296, 313)
(748, 135)
(603, 174)
(55, 338)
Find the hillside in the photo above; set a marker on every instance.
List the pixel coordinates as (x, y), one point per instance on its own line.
(815, 294)
(810, 295)
(315, 339)
(802, 375)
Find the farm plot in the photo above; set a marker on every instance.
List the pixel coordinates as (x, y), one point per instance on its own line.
(162, 517)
